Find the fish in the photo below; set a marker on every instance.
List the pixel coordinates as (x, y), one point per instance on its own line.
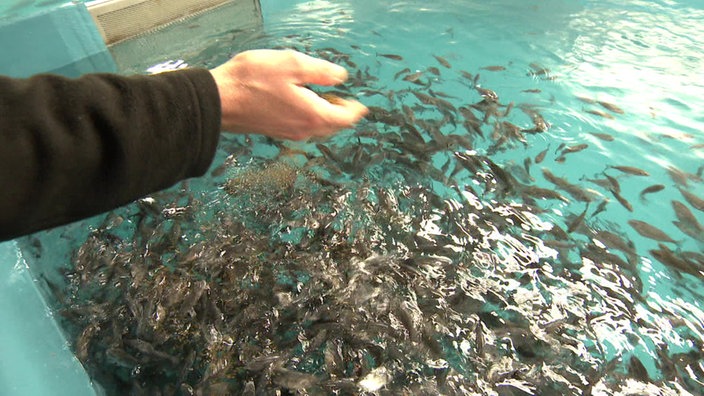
(402, 71)
(442, 61)
(533, 90)
(327, 153)
(575, 191)
(537, 70)
(637, 370)
(631, 170)
(539, 123)
(693, 200)
(682, 178)
(652, 189)
(603, 136)
(468, 76)
(434, 70)
(543, 193)
(577, 221)
(574, 149)
(650, 231)
(622, 201)
(600, 113)
(611, 107)
(526, 165)
(604, 183)
(687, 223)
(601, 207)
(614, 241)
(615, 186)
(332, 98)
(509, 107)
(392, 56)
(493, 68)
(672, 260)
(488, 94)
(414, 77)
(585, 99)
(541, 155)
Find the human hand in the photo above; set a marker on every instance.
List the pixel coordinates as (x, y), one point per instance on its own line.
(263, 91)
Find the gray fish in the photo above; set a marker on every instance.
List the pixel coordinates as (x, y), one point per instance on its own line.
(678, 176)
(604, 183)
(575, 191)
(672, 260)
(493, 68)
(603, 136)
(543, 193)
(631, 170)
(414, 77)
(693, 200)
(599, 113)
(611, 107)
(622, 201)
(403, 71)
(577, 221)
(637, 370)
(537, 70)
(541, 155)
(468, 76)
(615, 186)
(574, 149)
(614, 241)
(442, 61)
(601, 207)
(652, 189)
(650, 231)
(392, 56)
(687, 223)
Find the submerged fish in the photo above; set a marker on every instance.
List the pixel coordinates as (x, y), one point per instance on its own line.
(631, 170)
(652, 189)
(611, 107)
(650, 231)
(541, 155)
(392, 56)
(693, 200)
(599, 113)
(442, 61)
(493, 68)
(578, 220)
(402, 71)
(603, 136)
(687, 223)
(623, 201)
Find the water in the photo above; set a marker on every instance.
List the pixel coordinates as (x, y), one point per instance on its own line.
(392, 261)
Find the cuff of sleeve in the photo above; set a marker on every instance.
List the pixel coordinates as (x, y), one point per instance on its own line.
(209, 117)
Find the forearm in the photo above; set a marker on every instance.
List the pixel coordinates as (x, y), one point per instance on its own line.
(72, 148)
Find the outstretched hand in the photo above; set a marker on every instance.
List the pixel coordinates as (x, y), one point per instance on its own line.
(263, 91)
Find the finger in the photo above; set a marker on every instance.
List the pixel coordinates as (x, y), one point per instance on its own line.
(344, 113)
(317, 71)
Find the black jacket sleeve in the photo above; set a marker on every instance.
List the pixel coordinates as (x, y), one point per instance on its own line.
(73, 148)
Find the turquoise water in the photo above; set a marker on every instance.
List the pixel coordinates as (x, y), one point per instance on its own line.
(413, 254)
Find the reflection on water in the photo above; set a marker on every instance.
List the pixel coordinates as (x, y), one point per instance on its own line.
(502, 222)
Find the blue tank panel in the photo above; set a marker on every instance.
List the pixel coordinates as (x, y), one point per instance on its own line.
(36, 358)
(63, 40)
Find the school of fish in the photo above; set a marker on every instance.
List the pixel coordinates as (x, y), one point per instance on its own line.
(404, 257)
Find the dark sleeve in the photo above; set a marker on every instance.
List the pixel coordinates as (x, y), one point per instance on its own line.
(73, 148)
